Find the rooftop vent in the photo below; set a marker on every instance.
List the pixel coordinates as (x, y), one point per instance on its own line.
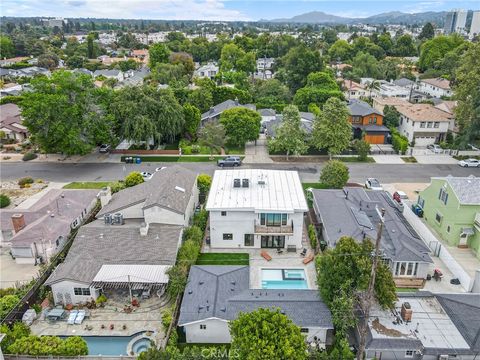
(118, 219)
(223, 309)
(108, 219)
(245, 183)
(236, 183)
(179, 188)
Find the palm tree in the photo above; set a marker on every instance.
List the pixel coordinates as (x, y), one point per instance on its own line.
(373, 85)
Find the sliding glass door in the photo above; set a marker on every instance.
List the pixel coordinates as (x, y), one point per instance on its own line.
(273, 241)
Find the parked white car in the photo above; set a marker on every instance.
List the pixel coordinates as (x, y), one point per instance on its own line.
(373, 184)
(469, 163)
(146, 175)
(435, 148)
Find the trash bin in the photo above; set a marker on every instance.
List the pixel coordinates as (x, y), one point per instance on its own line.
(138, 160)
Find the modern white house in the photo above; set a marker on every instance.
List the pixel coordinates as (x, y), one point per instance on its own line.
(256, 208)
(207, 71)
(216, 294)
(435, 87)
(390, 89)
(133, 242)
(423, 123)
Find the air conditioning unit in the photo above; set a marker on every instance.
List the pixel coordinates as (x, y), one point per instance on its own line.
(118, 219)
(442, 357)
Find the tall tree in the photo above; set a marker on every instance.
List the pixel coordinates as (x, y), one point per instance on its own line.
(289, 136)
(158, 53)
(90, 48)
(332, 130)
(320, 87)
(428, 32)
(241, 125)
(212, 135)
(266, 334)
(192, 119)
(7, 49)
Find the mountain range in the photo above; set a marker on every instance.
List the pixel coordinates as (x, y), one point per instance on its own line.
(393, 17)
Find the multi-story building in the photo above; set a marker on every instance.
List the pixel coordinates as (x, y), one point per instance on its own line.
(367, 122)
(423, 124)
(455, 21)
(435, 87)
(475, 26)
(256, 208)
(451, 207)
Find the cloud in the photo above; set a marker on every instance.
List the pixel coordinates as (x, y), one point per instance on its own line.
(424, 6)
(126, 9)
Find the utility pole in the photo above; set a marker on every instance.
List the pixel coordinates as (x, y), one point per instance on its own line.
(367, 298)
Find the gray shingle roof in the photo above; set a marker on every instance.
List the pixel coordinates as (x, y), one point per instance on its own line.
(267, 112)
(107, 73)
(467, 189)
(226, 105)
(223, 292)
(361, 108)
(272, 125)
(159, 190)
(404, 82)
(97, 244)
(342, 216)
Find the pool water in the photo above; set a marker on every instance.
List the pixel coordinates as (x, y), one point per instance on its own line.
(284, 279)
(115, 345)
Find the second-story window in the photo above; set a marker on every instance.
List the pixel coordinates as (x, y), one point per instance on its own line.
(273, 219)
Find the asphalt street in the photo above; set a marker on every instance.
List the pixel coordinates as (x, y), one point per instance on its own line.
(309, 172)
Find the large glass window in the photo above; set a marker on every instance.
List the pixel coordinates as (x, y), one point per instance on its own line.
(249, 240)
(81, 291)
(406, 269)
(273, 219)
(273, 241)
(227, 236)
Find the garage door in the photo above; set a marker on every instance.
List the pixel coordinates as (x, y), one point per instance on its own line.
(375, 139)
(424, 140)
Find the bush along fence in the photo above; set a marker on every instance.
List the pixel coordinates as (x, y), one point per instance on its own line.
(32, 295)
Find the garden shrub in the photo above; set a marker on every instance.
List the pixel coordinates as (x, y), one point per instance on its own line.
(312, 234)
(167, 316)
(200, 219)
(25, 180)
(29, 156)
(4, 201)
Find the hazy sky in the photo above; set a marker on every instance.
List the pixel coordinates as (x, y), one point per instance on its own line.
(216, 9)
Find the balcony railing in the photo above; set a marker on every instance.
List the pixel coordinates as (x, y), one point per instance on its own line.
(477, 220)
(265, 229)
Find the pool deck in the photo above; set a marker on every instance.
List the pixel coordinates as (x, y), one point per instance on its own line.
(286, 260)
(147, 317)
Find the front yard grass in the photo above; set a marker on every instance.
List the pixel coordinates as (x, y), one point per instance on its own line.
(406, 290)
(87, 185)
(354, 159)
(223, 259)
(409, 159)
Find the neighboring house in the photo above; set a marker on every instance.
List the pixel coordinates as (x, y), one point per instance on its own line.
(141, 55)
(367, 122)
(265, 63)
(29, 72)
(354, 90)
(209, 70)
(356, 212)
(216, 295)
(169, 197)
(380, 102)
(134, 77)
(256, 208)
(213, 115)
(451, 207)
(115, 256)
(435, 87)
(11, 123)
(390, 89)
(83, 71)
(340, 68)
(11, 89)
(423, 124)
(306, 122)
(109, 74)
(36, 233)
(267, 115)
(135, 239)
(405, 83)
(449, 107)
(426, 326)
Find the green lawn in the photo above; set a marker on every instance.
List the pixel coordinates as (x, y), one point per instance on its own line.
(223, 259)
(354, 159)
(87, 185)
(409, 159)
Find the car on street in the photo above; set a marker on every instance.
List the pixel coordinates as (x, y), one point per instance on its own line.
(104, 148)
(146, 175)
(373, 184)
(469, 163)
(229, 161)
(398, 196)
(435, 148)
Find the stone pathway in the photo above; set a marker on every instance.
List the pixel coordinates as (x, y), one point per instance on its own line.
(257, 153)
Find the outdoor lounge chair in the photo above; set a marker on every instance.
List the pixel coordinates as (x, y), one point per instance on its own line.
(266, 255)
(80, 317)
(304, 252)
(308, 259)
(72, 317)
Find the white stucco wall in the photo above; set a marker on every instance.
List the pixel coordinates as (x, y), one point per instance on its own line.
(132, 212)
(433, 90)
(64, 289)
(240, 223)
(216, 332)
(159, 215)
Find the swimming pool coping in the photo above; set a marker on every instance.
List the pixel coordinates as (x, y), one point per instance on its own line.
(284, 268)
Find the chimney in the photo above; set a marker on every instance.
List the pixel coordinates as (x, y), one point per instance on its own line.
(406, 312)
(18, 221)
(144, 229)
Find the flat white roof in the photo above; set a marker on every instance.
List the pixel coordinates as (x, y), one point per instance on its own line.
(430, 324)
(155, 274)
(268, 190)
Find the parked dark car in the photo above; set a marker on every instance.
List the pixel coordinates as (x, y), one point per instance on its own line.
(104, 148)
(229, 161)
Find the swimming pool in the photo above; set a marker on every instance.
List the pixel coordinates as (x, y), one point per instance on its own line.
(284, 279)
(115, 345)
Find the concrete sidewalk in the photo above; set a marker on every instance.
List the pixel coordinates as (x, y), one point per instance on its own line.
(388, 159)
(435, 159)
(257, 152)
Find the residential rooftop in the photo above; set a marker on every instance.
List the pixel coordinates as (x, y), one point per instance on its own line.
(226, 105)
(467, 189)
(223, 292)
(266, 190)
(438, 82)
(361, 108)
(355, 212)
(423, 112)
